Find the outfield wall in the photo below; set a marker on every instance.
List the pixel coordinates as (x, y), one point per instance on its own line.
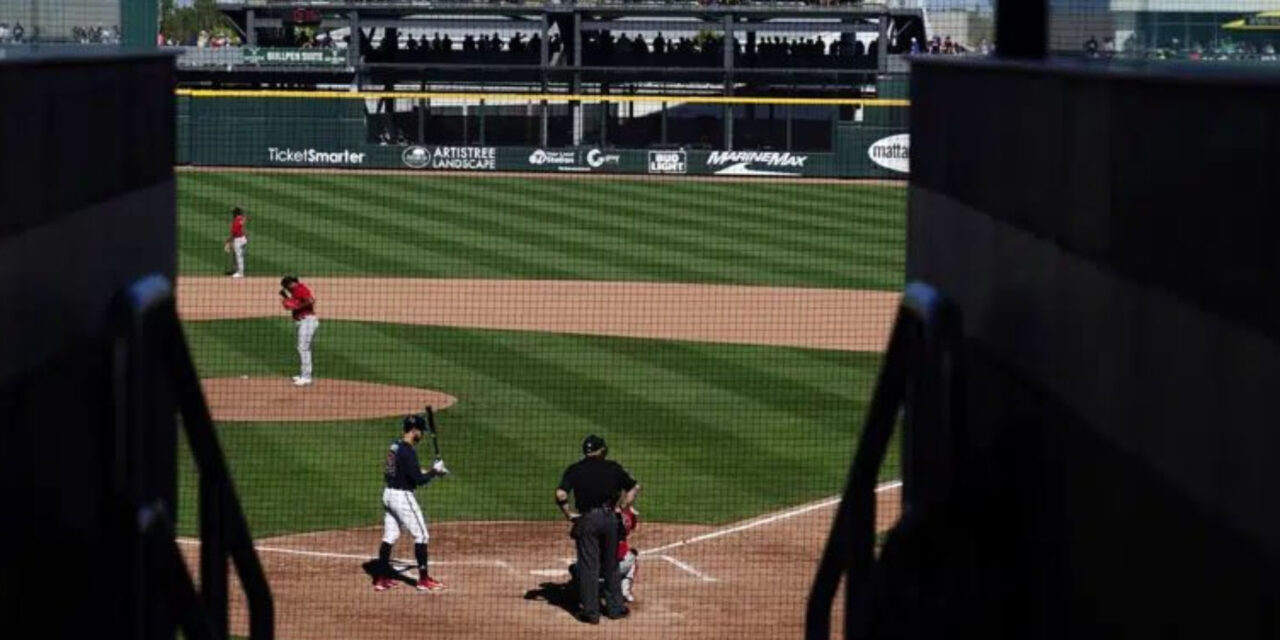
(334, 133)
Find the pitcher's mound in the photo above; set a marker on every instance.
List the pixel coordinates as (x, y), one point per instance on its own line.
(277, 400)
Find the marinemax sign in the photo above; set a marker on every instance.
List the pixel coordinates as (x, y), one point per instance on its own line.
(457, 158)
(757, 163)
(314, 156)
(893, 152)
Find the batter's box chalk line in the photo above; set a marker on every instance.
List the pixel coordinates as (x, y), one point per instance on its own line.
(395, 562)
(761, 521)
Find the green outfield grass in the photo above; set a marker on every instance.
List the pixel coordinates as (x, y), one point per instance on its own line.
(812, 235)
(714, 432)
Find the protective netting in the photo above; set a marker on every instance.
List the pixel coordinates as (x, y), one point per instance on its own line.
(721, 332)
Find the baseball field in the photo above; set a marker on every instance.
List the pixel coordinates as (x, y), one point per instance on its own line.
(722, 336)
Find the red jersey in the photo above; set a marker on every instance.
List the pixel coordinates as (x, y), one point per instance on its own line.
(629, 523)
(237, 227)
(301, 303)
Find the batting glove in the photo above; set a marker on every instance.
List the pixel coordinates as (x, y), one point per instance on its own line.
(439, 468)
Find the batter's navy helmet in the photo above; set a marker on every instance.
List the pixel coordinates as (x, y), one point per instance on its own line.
(412, 422)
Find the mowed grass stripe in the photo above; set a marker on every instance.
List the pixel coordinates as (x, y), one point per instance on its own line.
(736, 256)
(438, 249)
(264, 253)
(755, 220)
(600, 247)
(681, 439)
(312, 245)
(719, 258)
(676, 216)
(525, 402)
(332, 248)
(572, 258)
(796, 205)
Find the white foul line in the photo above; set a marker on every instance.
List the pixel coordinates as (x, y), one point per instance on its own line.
(697, 574)
(759, 522)
(347, 556)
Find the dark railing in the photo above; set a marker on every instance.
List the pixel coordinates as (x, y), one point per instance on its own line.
(151, 368)
(921, 376)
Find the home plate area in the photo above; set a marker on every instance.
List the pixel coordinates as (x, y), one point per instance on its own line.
(509, 580)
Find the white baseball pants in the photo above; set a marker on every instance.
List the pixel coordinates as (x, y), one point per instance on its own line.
(401, 511)
(306, 328)
(238, 245)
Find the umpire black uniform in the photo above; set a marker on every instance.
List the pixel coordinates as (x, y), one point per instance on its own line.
(598, 487)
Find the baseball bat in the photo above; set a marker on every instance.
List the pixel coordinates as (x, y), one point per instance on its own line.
(431, 428)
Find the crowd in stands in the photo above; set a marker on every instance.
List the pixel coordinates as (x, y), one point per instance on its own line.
(947, 47)
(96, 35)
(606, 49)
(202, 39)
(1175, 49)
(99, 34)
(471, 49)
(13, 34)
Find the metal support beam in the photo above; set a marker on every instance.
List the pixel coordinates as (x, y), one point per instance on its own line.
(353, 47)
(251, 28)
(882, 44)
(575, 107)
(726, 25)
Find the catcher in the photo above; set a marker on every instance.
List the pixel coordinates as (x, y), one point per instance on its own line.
(237, 241)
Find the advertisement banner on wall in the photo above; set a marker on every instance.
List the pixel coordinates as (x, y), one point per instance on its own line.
(757, 163)
(451, 158)
(668, 162)
(345, 157)
(577, 160)
(892, 152)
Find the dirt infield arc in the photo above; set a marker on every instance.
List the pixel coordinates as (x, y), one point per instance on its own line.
(745, 580)
(847, 320)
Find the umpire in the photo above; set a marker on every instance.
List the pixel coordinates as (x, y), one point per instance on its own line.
(600, 487)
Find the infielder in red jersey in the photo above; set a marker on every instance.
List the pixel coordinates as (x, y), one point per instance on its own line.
(302, 305)
(237, 240)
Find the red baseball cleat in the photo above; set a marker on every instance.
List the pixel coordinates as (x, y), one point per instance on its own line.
(430, 584)
(382, 584)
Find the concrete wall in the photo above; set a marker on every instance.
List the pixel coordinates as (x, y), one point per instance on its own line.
(87, 191)
(1114, 265)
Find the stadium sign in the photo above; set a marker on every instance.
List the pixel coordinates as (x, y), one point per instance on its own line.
(456, 158)
(748, 163)
(314, 156)
(564, 160)
(893, 152)
(668, 162)
(597, 158)
(309, 57)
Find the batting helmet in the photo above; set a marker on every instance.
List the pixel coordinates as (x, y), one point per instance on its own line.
(288, 280)
(414, 421)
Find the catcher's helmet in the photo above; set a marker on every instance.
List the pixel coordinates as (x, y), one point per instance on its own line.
(592, 444)
(414, 421)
